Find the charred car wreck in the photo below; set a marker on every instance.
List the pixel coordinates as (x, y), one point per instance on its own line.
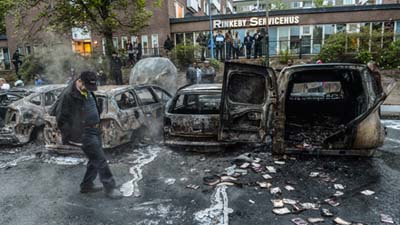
(24, 118)
(317, 109)
(9, 96)
(128, 113)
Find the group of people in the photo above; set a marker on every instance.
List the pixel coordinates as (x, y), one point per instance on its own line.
(134, 52)
(197, 75)
(232, 43)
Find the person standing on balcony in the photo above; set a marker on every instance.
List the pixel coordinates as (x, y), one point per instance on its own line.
(248, 42)
(168, 45)
(219, 42)
(116, 66)
(202, 41)
(236, 46)
(258, 44)
(229, 42)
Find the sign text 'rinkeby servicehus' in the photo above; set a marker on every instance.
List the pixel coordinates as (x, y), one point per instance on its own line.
(256, 22)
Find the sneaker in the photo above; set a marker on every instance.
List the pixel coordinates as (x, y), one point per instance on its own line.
(114, 193)
(91, 189)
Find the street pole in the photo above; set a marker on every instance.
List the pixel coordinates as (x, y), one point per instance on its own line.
(266, 34)
(211, 31)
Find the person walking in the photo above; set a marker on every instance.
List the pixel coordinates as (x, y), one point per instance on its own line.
(236, 46)
(219, 42)
(248, 42)
(116, 65)
(229, 43)
(139, 51)
(78, 116)
(191, 73)
(168, 45)
(207, 73)
(16, 62)
(202, 41)
(257, 44)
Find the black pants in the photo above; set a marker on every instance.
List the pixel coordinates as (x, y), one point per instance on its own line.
(118, 77)
(219, 52)
(97, 164)
(248, 52)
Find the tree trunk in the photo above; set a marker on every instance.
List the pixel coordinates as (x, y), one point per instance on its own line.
(109, 43)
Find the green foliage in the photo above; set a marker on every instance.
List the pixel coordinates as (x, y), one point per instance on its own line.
(216, 64)
(364, 56)
(183, 55)
(284, 56)
(278, 5)
(390, 57)
(334, 48)
(32, 65)
(99, 16)
(5, 5)
(319, 3)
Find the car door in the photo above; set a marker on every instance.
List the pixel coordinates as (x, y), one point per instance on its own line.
(249, 94)
(128, 110)
(152, 107)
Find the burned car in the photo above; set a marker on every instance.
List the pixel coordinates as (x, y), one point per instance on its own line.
(24, 118)
(315, 109)
(128, 113)
(9, 96)
(192, 116)
(321, 109)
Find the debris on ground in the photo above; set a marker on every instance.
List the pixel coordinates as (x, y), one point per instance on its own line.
(270, 169)
(193, 186)
(338, 194)
(299, 221)
(367, 192)
(281, 211)
(341, 221)
(170, 181)
(264, 184)
(332, 202)
(289, 201)
(252, 202)
(277, 203)
(326, 213)
(338, 186)
(386, 218)
(315, 220)
(245, 165)
(309, 205)
(314, 174)
(266, 176)
(16, 161)
(289, 188)
(276, 190)
(279, 162)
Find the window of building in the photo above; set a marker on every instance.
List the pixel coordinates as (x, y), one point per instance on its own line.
(20, 50)
(28, 50)
(388, 33)
(154, 44)
(352, 40)
(283, 33)
(378, 2)
(124, 42)
(145, 44)
(364, 38)
(376, 36)
(133, 40)
(189, 39)
(397, 30)
(305, 32)
(348, 2)
(317, 39)
(206, 8)
(340, 28)
(179, 10)
(273, 40)
(329, 29)
(329, 2)
(308, 4)
(297, 4)
(179, 38)
(4, 59)
(295, 39)
(115, 42)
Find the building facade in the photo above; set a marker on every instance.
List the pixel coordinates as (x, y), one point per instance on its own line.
(301, 28)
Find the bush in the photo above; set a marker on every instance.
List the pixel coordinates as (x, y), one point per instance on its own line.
(334, 49)
(31, 66)
(183, 55)
(390, 56)
(364, 56)
(284, 56)
(216, 64)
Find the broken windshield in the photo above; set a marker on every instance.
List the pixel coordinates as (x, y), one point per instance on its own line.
(197, 104)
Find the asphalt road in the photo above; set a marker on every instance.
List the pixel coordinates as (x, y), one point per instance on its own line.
(41, 189)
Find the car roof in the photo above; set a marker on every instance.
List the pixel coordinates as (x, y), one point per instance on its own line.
(113, 89)
(197, 88)
(325, 66)
(45, 88)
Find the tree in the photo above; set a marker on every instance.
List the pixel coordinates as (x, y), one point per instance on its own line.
(98, 16)
(5, 5)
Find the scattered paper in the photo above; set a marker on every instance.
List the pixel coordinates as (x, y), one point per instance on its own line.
(251, 201)
(314, 174)
(275, 190)
(277, 203)
(386, 218)
(266, 176)
(341, 221)
(245, 165)
(338, 186)
(281, 211)
(289, 188)
(299, 221)
(279, 162)
(315, 220)
(367, 192)
(271, 169)
(338, 193)
(289, 201)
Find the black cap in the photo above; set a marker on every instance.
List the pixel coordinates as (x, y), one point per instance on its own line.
(89, 80)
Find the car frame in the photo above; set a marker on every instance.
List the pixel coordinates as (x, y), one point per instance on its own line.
(24, 119)
(119, 125)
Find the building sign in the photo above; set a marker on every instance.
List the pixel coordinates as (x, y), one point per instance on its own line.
(80, 34)
(256, 22)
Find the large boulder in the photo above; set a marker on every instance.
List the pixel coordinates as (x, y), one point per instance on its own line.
(155, 70)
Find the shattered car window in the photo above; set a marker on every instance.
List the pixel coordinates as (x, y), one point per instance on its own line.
(36, 100)
(317, 90)
(197, 104)
(246, 88)
(162, 95)
(145, 96)
(126, 100)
